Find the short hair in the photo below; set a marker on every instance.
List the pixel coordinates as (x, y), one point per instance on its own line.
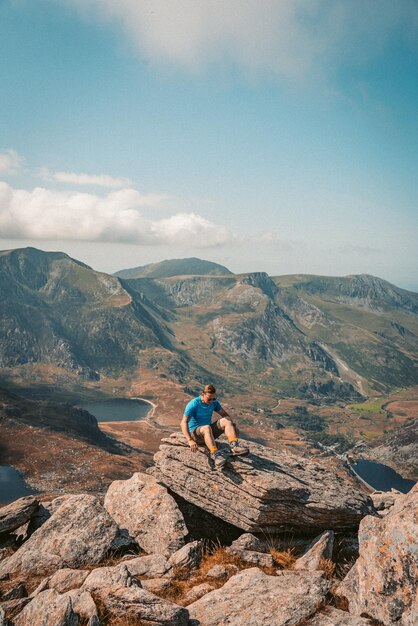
(209, 389)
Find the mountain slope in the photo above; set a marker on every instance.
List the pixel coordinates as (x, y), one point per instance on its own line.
(175, 267)
(233, 329)
(57, 310)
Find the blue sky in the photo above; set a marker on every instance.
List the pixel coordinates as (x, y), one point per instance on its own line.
(276, 136)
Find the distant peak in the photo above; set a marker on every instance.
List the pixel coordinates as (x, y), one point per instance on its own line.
(176, 267)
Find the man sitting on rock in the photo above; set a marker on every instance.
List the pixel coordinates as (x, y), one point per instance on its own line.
(198, 428)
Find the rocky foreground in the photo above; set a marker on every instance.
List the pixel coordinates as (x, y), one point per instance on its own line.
(78, 561)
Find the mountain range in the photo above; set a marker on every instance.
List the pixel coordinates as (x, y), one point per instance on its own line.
(191, 320)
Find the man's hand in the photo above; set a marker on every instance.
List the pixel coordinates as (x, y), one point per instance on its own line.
(193, 445)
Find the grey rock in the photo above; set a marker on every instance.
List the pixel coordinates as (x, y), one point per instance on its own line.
(3, 621)
(63, 580)
(320, 548)
(80, 532)
(48, 608)
(197, 592)
(107, 577)
(152, 565)
(383, 581)
(335, 617)
(252, 597)
(268, 491)
(247, 541)
(383, 499)
(83, 605)
(188, 556)
(133, 602)
(148, 512)
(123, 542)
(217, 571)
(17, 513)
(260, 559)
(155, 585)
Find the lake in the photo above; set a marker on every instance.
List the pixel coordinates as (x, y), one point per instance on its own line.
(118, 410)
(381, 477)
(12, 485)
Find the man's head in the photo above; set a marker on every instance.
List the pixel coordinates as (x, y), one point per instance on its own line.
(208, 394)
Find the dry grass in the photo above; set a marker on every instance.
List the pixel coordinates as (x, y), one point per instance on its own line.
(215, 554)
(328, 567)
(184, 579)
(283, 559)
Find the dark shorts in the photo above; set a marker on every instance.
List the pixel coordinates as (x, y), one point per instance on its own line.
(197, 436)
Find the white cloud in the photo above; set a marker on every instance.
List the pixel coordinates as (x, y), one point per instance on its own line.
(292, 38)
(42, 214)
(10, 161)
(100, 180)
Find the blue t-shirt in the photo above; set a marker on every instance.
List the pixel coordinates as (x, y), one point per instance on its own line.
(200, 413)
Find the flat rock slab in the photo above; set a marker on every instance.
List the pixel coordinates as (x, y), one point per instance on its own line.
(17, 513)
(384, 580)
(252, 597)
(140, 604)
(266, 492)
(149, 513)
(80, 532)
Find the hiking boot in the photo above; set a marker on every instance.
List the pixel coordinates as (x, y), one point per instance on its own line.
(219, 459)
(237, 449)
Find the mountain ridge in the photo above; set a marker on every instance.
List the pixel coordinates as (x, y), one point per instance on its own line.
(282, 330)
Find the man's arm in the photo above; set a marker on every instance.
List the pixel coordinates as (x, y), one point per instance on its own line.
(223, 413)
(185, 430)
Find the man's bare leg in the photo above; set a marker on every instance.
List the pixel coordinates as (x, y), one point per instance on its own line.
(210, 442)
(207, 433)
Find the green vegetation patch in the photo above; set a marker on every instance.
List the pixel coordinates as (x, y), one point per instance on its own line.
(366, 407)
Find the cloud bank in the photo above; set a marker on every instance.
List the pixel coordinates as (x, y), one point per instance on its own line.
(42, 214)
(10, 161)
(291, 38)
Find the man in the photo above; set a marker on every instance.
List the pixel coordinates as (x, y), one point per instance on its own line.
(198, 428)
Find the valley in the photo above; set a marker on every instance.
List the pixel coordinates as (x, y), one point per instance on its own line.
(300, 361)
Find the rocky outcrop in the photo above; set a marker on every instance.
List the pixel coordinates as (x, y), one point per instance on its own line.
(282, 600)
(148, 512)
(265, 492)
(134, 602)
(17, 513)
(80, 532)
(268, 336)
(383, 581)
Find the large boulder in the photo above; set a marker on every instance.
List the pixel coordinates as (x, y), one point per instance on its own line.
(49, 608)
(142, 605)
(148, 512)
(266, 492)
(252, 597)
(17, 513)
(80, 532)
(383, 581)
